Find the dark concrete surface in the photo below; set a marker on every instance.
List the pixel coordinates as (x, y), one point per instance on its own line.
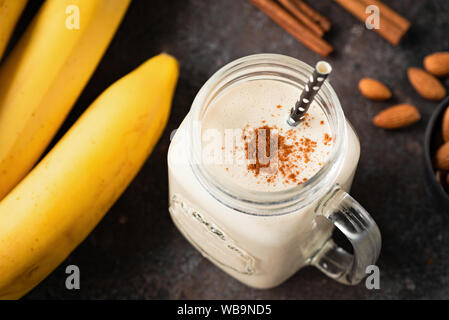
(136, 252)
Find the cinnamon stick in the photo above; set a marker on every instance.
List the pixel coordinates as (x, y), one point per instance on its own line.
(291, 6)
(321, 20)
(293, 26)
(388, 28)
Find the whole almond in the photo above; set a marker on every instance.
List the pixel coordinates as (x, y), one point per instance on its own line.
(398, 116)
(437, 63)
(442, 157)
(445, 125)
(426, 84)
(374, 89)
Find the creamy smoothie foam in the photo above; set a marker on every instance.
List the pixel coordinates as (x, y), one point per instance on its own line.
(255, 113)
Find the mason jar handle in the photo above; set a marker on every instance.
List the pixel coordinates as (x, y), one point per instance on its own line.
(362, 232)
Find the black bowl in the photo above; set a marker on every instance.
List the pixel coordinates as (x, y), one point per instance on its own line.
(432, 141)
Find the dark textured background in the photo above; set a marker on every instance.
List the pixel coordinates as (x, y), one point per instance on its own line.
(136, 252)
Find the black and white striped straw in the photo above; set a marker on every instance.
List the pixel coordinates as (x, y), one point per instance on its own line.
(316, 80)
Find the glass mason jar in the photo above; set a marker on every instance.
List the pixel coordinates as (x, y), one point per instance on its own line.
(262, 238)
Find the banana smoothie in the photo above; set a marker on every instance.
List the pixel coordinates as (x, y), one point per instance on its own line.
(248, 190)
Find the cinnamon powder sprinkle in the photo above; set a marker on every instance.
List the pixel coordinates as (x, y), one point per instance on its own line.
(327, 139)
(284, 153)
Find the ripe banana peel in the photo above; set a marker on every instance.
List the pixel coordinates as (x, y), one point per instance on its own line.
(62, 199)
(44, 75)
(10, 11)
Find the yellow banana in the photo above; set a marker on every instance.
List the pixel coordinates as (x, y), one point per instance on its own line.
(62, 199)
(10, 11)
(45, 73)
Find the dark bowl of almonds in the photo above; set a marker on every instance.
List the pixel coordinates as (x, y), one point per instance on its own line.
(436, 151)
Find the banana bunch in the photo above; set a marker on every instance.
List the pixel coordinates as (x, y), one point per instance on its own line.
(44, 75)
(46, 214)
